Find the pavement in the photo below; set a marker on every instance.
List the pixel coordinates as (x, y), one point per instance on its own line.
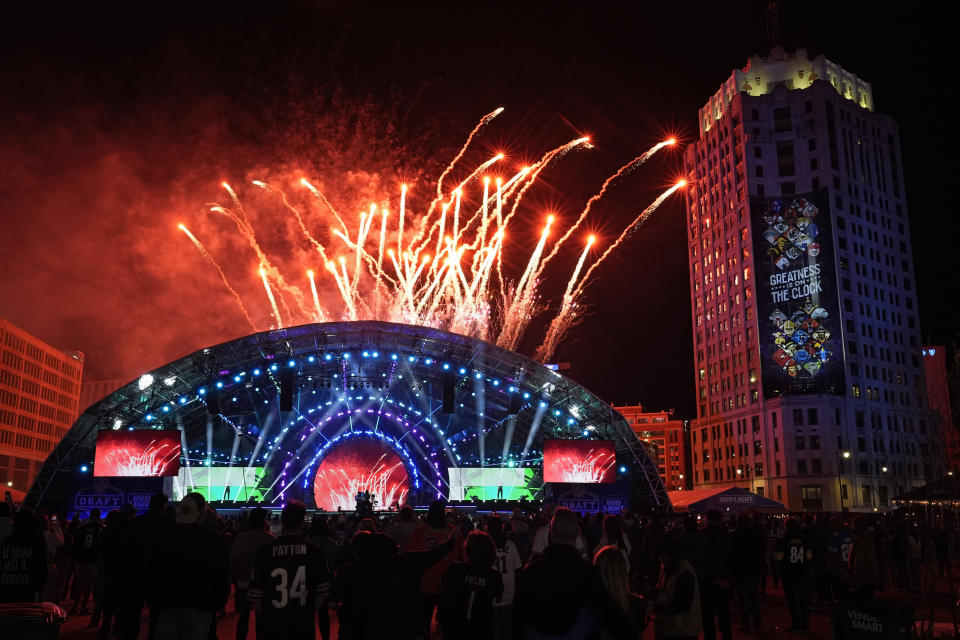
(775, 616)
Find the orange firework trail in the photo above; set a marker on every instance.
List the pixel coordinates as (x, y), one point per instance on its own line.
(625, 169)
(206, 254)
(391, 278)
(639, 220)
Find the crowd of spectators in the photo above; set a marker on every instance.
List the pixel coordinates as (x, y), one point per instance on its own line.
(536, 574)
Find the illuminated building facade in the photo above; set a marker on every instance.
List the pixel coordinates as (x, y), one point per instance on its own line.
(938, 395)
(93, 391)
(664, 438)
(809, 381)
(39, 399)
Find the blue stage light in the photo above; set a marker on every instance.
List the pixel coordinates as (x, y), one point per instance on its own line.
(84, 468)
(219, 385)
(291, 363)
(623, 469)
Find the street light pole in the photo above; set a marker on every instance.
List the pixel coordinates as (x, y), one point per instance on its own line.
(846, 456)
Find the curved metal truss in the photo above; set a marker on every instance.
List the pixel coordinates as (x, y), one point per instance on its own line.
(370, 378)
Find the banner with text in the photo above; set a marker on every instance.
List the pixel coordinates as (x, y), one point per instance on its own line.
(798, 307)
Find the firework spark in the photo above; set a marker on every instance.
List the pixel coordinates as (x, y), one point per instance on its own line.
(147, 462)
(447, 272)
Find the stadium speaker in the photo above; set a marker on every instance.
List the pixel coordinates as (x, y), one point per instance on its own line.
(516, 403)
(213, 402)
(449, 384)
(286, 389)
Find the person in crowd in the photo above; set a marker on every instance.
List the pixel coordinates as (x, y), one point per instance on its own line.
(915, 555)
(676, 607)
(747, 545)
(817, 533)
(402, 527)
(561, 594)
(289, 581)
(433, 532)
(345, 586)
(470, 590)
(717, 586)
(838, 556)
(319, 535)
(52, 539)
(188, 575)
(145, 531)
(23, 560)
(614, 573)
(86, 556)
(63, 559)
(242, 552)
(508, 563)
(864, 565)
(520, 532)
(942, 547)
(118, 569)
(6, 522)
(380, 596)
(613, 535)
(794, 557)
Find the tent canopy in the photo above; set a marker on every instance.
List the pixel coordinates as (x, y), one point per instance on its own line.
(724, 500)
(945, 489)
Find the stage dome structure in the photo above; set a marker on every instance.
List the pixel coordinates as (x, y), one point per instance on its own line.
(421, 400)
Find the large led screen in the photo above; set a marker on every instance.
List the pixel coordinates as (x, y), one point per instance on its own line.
(219, 483)
(584, 461)
(143, 454)
(359, 465)
(797, 303)
(490, 483)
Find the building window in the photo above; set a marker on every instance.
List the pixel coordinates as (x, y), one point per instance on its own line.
(800, 443)
(814, 443)
(816, 466)
(812, 418)
(801, 467)
(811, 498)
(798, 417)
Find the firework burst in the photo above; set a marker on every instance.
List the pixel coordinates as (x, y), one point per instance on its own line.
(440, 268)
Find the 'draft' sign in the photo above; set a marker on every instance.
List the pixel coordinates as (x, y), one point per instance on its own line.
(86, 501)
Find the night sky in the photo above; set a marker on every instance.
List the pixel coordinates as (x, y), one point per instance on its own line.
(120, 120)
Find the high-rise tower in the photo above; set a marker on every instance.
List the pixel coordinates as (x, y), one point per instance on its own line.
(809, 381)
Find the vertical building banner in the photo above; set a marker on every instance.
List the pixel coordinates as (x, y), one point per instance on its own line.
(798, 307)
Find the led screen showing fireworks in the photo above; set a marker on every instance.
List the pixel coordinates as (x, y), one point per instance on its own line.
(583, 461)
(142, 454)
(359, 465)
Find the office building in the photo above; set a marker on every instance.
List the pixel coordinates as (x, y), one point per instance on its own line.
(809, 382)
(664, 439)
(938, 396)
(39, 400)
